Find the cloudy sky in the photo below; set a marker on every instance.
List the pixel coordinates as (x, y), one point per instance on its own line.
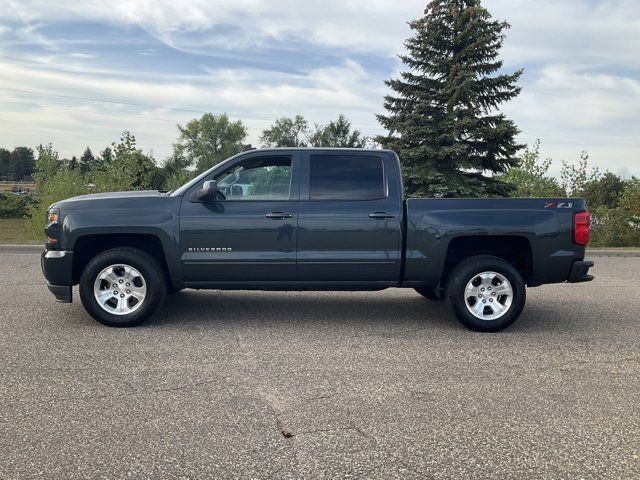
(76, 73)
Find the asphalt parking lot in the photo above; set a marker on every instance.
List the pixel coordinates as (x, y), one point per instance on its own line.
(321, 385)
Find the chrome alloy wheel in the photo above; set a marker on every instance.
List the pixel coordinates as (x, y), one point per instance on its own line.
(488, 295)
(120, 289)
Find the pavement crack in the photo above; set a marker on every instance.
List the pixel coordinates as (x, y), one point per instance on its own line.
(181, 387)
(114, 395)
(276, 408)
(336, 429)
(319, 397)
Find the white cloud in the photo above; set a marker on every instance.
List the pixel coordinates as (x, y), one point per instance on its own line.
(81, 55)
(577, 33)
(197, 24)
(319, 95)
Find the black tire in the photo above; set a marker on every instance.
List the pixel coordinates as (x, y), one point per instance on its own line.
(464, 272)
(152, 275)
(431, 293)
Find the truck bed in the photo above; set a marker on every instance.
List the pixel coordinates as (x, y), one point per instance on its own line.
(537, 232)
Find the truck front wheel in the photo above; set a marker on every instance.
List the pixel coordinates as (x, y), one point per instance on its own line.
(485, 293)
(122, 287)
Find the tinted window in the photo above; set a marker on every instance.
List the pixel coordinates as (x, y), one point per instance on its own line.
(264, 178)
(346, 177)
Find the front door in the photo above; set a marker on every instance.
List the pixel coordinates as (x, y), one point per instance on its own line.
(249, 233)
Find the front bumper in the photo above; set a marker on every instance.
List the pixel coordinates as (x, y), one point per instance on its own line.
(57, 267)
(580, 271)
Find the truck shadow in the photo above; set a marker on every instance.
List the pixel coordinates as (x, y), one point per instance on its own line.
(397, 309)
(284, 308)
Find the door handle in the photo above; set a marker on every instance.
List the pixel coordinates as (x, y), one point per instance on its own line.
(279, 215)
(381, 215)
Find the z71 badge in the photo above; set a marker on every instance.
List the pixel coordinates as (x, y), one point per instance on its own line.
(558, 205)
(208, 249)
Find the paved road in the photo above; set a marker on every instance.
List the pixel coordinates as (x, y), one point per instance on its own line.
(321, 385)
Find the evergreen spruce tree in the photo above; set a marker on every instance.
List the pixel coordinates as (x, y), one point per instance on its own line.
(443, 119)
(73, 163)
(86, 160)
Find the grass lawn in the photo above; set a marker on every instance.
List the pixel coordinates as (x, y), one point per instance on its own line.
(14, 230)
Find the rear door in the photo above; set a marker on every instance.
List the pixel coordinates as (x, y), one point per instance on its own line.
(350, 217)
(249, 234)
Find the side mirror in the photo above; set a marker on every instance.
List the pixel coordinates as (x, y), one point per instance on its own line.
(208, 192)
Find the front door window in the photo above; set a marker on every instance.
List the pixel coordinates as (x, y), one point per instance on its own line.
(267, 178)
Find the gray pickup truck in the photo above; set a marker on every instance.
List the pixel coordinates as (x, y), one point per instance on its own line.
(310, 219)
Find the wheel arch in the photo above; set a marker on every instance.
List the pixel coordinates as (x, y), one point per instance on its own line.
(88, 246)
(516, 249)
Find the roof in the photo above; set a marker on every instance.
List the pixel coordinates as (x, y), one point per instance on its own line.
(318, 149)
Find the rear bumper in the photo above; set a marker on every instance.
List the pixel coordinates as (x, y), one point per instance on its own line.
(57, 267)
(580, 271)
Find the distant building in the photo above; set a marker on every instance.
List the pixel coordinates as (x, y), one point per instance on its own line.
(18, 187)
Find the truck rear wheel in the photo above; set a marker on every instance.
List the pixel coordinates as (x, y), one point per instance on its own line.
(486, 293)
(122, 287)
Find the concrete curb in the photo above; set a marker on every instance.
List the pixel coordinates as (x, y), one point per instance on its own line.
(611, 253)
(21, 248)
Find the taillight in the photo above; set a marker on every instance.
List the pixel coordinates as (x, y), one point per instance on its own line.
(581, 225)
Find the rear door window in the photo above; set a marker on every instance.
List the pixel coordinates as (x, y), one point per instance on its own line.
(346, 177)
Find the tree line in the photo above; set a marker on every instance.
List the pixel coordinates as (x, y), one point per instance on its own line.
(16, 164)
(204, 142)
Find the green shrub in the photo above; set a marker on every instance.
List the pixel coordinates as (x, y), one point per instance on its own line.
(15, 206)
(530, 178)
(53, 184)
(613, 227)
(64, 184)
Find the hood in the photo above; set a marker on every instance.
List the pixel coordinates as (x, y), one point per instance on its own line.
(116, 195)
(99, 200)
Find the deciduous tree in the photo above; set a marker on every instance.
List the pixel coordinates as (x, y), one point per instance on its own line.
(22, 163)
(337, 134)
(129, 169)
(287, 132)
(531, 177)
(5, 163)
(208, 140)
(605, 191)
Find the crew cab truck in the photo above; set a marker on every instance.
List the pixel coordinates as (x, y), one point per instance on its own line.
(310, 219)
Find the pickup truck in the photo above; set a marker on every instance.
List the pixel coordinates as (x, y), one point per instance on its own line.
(310, 219)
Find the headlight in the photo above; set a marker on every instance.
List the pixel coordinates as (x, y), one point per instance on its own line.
(53, 229)
(53, 215)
